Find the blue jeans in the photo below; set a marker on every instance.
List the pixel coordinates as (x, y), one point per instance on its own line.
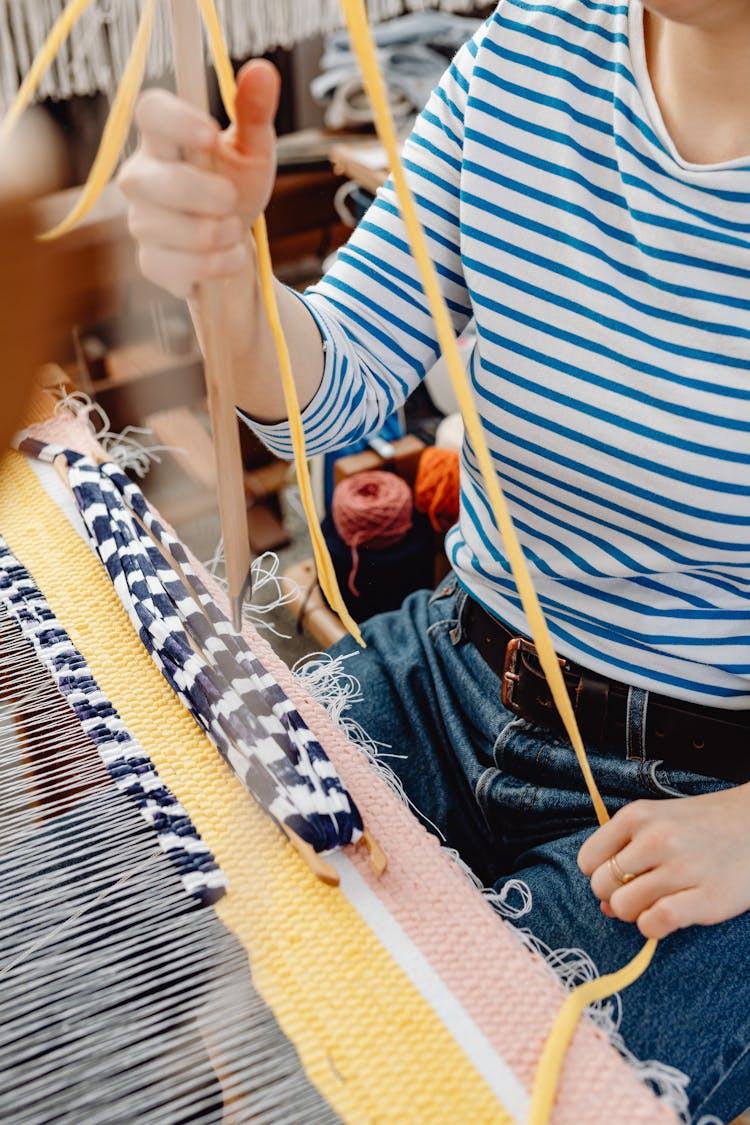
(510, 798)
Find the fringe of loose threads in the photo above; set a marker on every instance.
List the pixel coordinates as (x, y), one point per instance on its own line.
(128, 447)
(94, 57)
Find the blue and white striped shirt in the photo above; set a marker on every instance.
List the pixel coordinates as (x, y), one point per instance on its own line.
(610, 282)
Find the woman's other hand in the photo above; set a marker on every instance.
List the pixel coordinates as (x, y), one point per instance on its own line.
(670, 864)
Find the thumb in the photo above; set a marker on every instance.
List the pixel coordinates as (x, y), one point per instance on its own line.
(258, 90)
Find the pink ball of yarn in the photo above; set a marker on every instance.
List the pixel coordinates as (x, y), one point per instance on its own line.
(372, 509)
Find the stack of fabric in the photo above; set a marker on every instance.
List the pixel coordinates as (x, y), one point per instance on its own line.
(413, 51)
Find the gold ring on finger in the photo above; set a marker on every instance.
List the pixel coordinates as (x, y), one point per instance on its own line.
(617, 873)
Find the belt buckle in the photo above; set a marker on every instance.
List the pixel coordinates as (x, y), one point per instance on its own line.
(514, 652)
(510, 674)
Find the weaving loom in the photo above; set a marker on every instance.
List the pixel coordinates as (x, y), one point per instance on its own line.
(147, 879)
(127, 992)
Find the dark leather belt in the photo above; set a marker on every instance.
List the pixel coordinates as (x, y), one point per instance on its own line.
(706, 740)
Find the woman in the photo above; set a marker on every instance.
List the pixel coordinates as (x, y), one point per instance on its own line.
(583, 172)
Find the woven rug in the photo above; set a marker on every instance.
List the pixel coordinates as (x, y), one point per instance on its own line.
(406, 997)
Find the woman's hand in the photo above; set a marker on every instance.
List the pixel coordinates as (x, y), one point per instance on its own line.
(689, 858)
(191, 224)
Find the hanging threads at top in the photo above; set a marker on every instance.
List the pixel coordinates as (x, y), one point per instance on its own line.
(100, 40)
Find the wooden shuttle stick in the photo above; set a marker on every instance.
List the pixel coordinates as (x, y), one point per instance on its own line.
(191, 85)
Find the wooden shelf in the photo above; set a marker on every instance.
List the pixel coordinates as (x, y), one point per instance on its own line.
(361, 161)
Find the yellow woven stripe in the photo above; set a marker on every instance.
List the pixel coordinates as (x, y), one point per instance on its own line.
(369, 1042)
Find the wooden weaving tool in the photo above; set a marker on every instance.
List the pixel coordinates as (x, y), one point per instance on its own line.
(192, 86)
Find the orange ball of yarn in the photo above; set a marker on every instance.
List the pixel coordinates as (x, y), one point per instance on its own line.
(437, 490)
(372, 509)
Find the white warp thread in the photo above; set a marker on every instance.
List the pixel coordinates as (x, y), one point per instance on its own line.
(94, 57)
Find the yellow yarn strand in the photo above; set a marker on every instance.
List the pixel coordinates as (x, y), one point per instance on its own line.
(323, 563)
(548, 1072)
(553, 1055)
(356, 18)
(116, 130)
(46, 56)
(220, 55)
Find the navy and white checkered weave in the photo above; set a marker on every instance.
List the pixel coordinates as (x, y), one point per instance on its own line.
(242, 709)
(124, 758)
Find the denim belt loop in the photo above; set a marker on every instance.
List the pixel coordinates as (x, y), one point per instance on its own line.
(457, 632)
(635, 724)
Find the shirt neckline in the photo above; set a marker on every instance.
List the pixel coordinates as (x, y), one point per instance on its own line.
(648, 97)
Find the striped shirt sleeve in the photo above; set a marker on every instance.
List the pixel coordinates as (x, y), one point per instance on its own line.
(378, 333)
